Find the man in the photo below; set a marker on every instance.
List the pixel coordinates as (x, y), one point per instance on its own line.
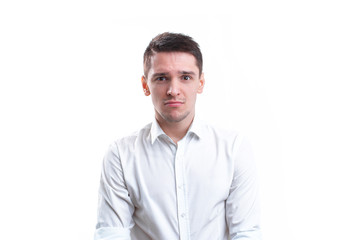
(177, 178)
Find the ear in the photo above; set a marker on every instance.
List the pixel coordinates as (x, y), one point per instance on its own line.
(202, 83)
(145, 86)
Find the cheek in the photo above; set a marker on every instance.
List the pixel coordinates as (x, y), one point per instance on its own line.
(156, 95)
(193, 92)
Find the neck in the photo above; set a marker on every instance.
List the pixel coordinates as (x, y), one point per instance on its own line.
(175, 130)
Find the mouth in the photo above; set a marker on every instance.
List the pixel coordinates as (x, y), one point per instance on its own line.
(172, 103)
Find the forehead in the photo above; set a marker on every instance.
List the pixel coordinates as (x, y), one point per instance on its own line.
(173, 61)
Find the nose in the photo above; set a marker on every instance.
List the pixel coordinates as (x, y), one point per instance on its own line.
(173, 88)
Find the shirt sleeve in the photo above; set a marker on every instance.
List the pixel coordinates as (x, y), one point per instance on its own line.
(115, 208)
(242, 204)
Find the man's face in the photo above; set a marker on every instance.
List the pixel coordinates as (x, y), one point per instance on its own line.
(173, 82)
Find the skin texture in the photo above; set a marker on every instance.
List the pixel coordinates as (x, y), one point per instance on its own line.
(173, 82)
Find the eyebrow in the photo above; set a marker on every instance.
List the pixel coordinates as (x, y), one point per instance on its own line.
(155, 75)
(187, 73)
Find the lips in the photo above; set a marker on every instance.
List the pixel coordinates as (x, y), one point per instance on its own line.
(173, 103)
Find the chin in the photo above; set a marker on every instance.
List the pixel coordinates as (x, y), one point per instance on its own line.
(176, 117)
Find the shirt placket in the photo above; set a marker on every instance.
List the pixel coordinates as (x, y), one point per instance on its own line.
(181, 193)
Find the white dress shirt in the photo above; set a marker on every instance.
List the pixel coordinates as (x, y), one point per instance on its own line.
(203, 188)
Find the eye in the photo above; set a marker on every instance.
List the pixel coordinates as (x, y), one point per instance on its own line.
(161, 79)
(186, 77)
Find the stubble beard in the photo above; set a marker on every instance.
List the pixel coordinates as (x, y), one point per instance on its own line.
(174, 119)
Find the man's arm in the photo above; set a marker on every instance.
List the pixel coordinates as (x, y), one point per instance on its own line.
(242, 205)
(115, 208)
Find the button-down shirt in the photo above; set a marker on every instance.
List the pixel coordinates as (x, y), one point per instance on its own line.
(204, 187)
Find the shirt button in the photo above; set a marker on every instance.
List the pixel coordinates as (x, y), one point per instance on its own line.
(183, 215)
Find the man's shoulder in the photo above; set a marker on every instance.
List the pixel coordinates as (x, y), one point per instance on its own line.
(220, 132)
(131, 138)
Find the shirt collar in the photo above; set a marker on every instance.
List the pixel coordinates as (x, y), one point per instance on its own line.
(155, 131)
(195, 128)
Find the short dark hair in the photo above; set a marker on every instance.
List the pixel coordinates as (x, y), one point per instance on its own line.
(172, 42)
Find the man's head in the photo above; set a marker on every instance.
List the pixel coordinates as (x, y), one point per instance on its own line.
(173, 77)
(172, 42)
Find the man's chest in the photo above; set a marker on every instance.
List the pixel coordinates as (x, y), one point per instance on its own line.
(164, 173)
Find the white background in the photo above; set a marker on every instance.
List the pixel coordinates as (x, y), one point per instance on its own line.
(283, 72)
